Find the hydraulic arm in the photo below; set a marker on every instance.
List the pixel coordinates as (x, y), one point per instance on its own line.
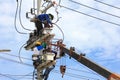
(90, 64)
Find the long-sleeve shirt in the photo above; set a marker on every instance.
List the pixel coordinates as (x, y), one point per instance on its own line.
(44, 17)
(38, 50)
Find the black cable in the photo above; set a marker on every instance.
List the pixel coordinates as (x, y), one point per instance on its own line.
(20, 17)
(15, 61)
(8, 76)
(56, 71)
(25, 76)
(107, 4)
(61, 31)
(95, 9)
(15, 19)
(79, 70)
(87, 68)
(33, 74)
(90, 15)
(17, 56)
(15, 75)
(20, 52)
(77, 76)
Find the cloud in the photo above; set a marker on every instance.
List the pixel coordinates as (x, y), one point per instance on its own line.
(88, 34)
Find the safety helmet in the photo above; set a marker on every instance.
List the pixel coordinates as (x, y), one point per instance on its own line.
(51, 16)
(38, 43)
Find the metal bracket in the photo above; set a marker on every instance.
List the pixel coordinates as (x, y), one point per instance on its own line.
(80, 56)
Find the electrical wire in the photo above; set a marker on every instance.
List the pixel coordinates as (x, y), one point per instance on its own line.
(78, 70)
(20, 52)
(87, 68)
(77, 76)
(61, 31)
(56, 10)
(15, 61)
(17, 56)
(107, 4)
(59, 2)
(33, 74)
(90, 16)
(8, 76)
(25, 76)
(15, 19)
(94, 9)
(20, 7)
(15, 75)
(108, 60)
(82, 77)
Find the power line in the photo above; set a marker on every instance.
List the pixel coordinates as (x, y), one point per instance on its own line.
(8, 76)
(59, 2)
(90, 16)
(56, 71)
(16, 75)
(17, 56)
(79, 70)
(15, 19)
(95, 9)
(19, 77)
(107, 4)
(77, 76)
(15, 61)
(61, 31)
(20, 7)
(88, 69)
(20, 52)
(25, 76)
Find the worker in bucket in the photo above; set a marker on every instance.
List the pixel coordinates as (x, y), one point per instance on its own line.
(37, 56)
(42, 19)
(47, 72)
(38, 48)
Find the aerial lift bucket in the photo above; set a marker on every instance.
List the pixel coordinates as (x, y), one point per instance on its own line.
(47, 30)
(49, 56)
(114, 77)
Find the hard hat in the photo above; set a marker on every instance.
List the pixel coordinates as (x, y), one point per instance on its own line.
(51, 16)
(38, 43)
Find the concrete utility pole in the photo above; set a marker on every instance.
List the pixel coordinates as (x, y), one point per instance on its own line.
(43, 66)
(39, 73)
(39, 6)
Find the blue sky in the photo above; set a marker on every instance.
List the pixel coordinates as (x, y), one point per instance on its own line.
(98, 39)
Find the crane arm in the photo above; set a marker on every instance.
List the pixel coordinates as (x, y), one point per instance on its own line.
(92, 65)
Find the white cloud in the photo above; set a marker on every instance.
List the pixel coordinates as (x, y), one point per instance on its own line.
(89, 35)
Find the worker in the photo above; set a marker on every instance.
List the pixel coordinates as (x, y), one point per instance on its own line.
(47, 72)
(42, 19)
(38, 47)
(37, 56)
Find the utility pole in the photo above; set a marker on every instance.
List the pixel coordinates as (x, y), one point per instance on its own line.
(39, 11)
(39, 6)
(39, 73)
(41, 62)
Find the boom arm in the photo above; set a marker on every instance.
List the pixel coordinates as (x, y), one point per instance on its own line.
(90, 64)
